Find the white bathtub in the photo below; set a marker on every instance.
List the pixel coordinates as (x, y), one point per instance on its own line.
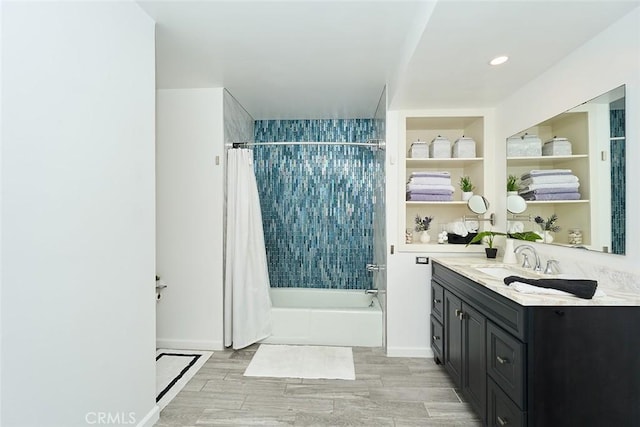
(325, 317)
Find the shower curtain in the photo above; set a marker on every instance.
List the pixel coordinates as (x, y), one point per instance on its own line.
(247, 306)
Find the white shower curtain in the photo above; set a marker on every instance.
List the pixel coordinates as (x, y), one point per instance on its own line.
(247, 306)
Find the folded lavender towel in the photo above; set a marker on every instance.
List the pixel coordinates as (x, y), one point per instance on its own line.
(431, 191)
(418, 187)
(551, 196)
(549, 190)
(549, 179)
(412, 197)
(430, 180)
(569, 187)
(432, 173)
(585, 289)
(545, 172)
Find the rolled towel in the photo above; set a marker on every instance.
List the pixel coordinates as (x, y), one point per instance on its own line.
(457, 227)
(581, 288)
(549, 179)
(530, 289)
(543, 172)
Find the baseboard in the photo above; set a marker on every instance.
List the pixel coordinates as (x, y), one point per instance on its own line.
(189, 345)
(151, 418)
(409, 352)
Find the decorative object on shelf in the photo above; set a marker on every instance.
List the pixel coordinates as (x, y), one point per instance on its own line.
(464, 148)
(440, 148)
(557, 147)
(422, 225)
(512, 185)
(419, 150)
(524, 146)
(548, 226)
(443, 237)
(467, 187)
(575, 236)
(487, 237)
(408, 235)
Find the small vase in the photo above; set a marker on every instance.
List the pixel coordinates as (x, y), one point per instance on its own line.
(425, 237)
(512, 193)
(548, 237)
(466, 195)
(491, 252)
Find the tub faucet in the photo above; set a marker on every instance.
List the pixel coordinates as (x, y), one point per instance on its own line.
(525, 264)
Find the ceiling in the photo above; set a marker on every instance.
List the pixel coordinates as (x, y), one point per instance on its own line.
(301, 59)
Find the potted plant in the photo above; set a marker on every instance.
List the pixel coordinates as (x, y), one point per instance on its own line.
(548, 226)
(467, 187)
(512, 185)
(488, 236)
(422, 226)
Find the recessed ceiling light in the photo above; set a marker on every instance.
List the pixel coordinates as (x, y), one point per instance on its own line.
(499, 60)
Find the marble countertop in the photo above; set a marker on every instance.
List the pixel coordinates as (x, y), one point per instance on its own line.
(467, 266)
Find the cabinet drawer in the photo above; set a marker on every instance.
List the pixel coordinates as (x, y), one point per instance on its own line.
(437, 298)
(437, 339)
(505, 362)
(501, 411)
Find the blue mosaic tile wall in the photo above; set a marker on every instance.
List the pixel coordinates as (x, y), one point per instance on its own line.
(618, 173)
(317, 202)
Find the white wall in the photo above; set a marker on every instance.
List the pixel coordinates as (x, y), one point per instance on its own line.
(190, 200)
(610, 59)
(77, 214)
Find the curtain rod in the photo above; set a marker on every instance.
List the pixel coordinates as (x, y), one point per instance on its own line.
(373, 143)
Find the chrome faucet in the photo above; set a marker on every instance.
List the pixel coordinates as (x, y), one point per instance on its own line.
(553, 267)
(525, 264)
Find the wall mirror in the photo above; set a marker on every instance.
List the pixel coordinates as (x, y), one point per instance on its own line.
(576, 182)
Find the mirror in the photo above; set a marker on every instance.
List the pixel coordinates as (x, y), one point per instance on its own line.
(516, 204)
(478, 204)
(572, 175)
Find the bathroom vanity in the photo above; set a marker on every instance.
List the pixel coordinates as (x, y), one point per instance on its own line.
(535, 360)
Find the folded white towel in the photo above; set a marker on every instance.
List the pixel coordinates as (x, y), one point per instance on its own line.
(414, 187)
(515, 227)
(530, 289)
(549, 179)
(432, 173)
(472, 226)
(430, 180)
(457, 227)
(567, 185)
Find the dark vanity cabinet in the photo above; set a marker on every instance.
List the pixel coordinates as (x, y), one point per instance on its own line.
(536, 365)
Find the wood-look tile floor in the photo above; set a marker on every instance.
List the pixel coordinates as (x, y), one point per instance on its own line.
(386, 392)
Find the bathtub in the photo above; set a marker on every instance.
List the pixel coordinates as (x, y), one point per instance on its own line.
(325, 317)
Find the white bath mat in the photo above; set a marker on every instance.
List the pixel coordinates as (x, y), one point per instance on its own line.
(174, 369)
(301, 361)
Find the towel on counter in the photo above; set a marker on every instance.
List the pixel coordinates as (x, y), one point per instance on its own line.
(425, 187)
(585, 289)
(430, 180)
(530, 289)
(549, 179)
(544, 172)
(422, 197)
(567, 186)
(551, 196)
(436, 174)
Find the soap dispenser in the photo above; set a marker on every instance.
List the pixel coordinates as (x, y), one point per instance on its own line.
(509, 256)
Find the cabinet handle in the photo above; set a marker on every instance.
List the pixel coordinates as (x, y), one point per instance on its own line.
(503, 421)
(436, 338)
(502, 360)
(437, 301)
(459, 314)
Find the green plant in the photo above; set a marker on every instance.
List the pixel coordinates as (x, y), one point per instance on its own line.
(423, 224)
(490, 235)
(549, 224)
(512, 183)
(466, 185)
(529, 236)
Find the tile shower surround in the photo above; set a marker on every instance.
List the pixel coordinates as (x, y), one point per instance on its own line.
(317, 202)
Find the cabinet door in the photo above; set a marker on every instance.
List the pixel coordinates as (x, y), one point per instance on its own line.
(437, 295)
(474, 368)
(437, 340)
(453, 337)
